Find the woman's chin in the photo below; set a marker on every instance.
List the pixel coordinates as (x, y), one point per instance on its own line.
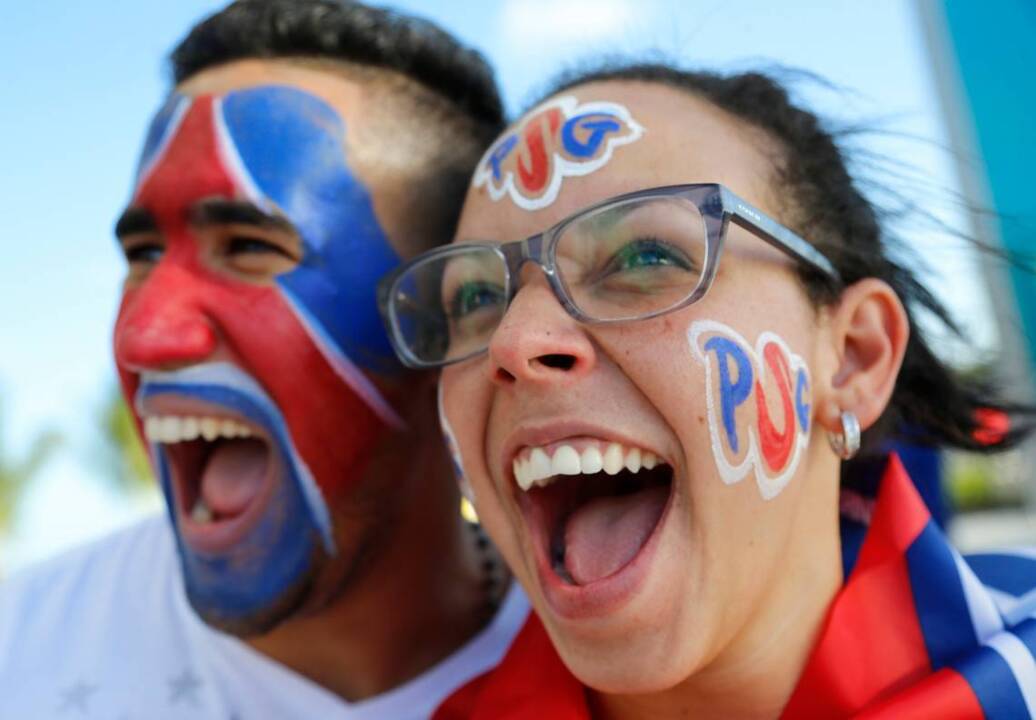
(650, 643)
(635, 665)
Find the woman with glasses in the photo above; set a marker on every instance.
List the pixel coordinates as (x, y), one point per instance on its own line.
(673, 348)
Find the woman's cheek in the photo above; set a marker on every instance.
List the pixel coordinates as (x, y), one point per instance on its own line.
(462, 419)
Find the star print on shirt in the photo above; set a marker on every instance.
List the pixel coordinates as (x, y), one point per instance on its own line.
(77, 697)
(184, 688)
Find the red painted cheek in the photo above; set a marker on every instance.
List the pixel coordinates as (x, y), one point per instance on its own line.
(332, 428)
(162, 324)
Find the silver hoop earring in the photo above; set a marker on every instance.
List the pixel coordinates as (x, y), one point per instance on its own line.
(846, 443)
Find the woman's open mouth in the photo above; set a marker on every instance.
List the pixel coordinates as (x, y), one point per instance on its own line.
(222, 470)
(592, 506)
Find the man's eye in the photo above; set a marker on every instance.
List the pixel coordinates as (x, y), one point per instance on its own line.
(472, 296)
(149, 253)
(241, 245)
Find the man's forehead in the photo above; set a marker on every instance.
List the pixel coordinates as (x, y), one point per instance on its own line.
(242, 114)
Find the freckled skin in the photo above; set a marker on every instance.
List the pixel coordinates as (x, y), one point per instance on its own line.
(733, 573)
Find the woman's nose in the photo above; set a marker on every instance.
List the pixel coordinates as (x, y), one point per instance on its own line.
(537, 340)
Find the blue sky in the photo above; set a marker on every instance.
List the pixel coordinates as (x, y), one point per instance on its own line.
(81, 83)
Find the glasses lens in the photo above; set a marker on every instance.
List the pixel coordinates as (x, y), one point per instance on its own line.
(633, 258)
(447, 307)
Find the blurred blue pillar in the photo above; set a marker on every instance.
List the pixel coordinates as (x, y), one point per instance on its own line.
(985, 65)
(984, 62)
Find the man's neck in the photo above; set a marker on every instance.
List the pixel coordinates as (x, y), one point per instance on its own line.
(418, 597)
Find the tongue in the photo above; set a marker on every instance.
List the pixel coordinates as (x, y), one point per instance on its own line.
(606, 533)
(233, 475)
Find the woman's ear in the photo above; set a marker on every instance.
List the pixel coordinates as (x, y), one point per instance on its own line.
(869, 332)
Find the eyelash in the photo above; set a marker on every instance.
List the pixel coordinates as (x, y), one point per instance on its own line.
(145, 252)
(241, 244)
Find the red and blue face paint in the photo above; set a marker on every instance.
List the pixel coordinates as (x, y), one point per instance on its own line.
(285, 360)
(559, 139)
(758, 404)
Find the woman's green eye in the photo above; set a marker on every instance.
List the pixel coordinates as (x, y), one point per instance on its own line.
(473, 296)
(647, 253)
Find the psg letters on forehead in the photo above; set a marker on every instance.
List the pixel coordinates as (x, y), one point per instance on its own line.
(561, 138)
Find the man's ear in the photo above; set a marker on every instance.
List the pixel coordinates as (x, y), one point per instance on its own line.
(869, 332)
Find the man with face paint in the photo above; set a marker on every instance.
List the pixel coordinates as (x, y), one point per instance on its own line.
(306, 149)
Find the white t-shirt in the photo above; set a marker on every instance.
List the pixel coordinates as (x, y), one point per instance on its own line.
(106, 632)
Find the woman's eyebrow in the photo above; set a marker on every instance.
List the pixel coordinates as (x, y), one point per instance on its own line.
(225, 212)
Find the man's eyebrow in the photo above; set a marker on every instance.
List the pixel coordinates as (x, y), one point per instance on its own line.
(225, 212)
(133, 221)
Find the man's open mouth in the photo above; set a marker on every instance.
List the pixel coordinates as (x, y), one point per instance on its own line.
(220, 466)
(591, 504)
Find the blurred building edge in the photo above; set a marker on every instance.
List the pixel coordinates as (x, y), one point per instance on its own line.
(982, 57)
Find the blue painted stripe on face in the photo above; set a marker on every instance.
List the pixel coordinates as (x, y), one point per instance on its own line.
(293, 146)
(262, 569)
(731, 393)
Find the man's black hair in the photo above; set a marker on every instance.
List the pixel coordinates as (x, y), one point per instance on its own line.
(370, 37)
(349, 31)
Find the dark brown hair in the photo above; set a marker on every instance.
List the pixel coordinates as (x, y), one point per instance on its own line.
(932, 404)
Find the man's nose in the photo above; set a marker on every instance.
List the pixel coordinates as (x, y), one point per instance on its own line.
(538, 341)
(162, 323)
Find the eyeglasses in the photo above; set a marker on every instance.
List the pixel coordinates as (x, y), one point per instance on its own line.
(632, 257)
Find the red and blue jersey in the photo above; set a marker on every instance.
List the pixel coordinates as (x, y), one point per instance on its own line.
(917, 631)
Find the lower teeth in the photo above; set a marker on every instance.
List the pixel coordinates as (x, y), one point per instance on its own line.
(201, 512)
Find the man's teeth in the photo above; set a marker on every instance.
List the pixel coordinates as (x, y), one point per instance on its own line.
(171, 429)
(540, 469)
(201, 513)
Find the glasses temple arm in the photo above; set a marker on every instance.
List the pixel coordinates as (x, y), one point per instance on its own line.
(753, 219)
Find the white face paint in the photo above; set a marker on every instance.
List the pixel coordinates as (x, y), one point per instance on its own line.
(759, 404)
(558, 139)
(454, 448)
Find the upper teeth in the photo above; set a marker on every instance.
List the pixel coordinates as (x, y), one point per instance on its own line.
(173, 429)
(538, 468)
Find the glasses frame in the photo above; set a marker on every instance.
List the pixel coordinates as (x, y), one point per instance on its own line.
(717, 204)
